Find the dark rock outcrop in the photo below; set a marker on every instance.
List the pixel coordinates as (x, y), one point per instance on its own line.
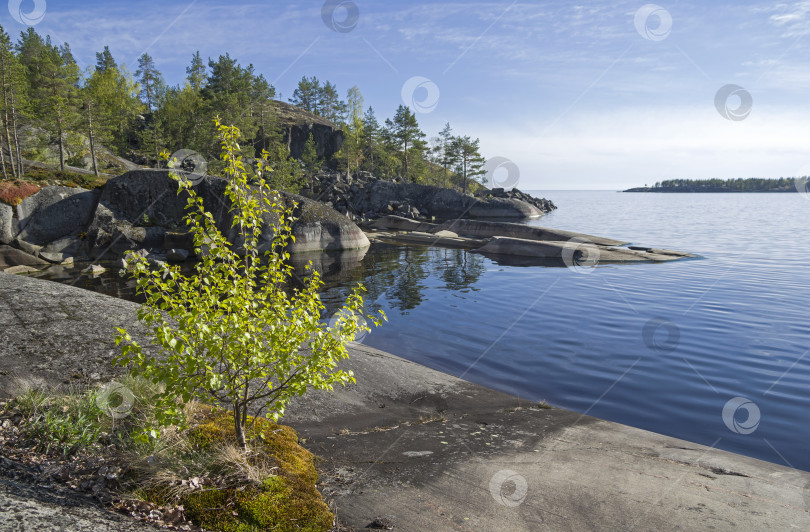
(366, 196)
(142, 209)
(55, 212)
(297, 125)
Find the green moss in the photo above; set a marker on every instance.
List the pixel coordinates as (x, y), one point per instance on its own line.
(287, 501)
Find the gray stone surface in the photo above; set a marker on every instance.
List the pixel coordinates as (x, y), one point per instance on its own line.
(55, 212)
(427, 450)
(574, 253)
(6, 221)
(10, 256)
(25, 508)
(485, 229)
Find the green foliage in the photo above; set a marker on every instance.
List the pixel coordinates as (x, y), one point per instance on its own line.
(403, 135)
(231, 332)
(468, 162)
(64, 423)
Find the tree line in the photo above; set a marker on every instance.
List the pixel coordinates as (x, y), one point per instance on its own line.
(738, 184)
(47, 100)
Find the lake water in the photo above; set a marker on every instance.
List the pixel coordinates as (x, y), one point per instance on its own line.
(713, 350)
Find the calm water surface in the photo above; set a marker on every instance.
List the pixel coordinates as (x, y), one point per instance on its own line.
(664, 347)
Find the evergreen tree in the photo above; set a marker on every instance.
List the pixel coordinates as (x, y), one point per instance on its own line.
(151, 84)
(14, 99)
(351, 152)
(311, 162)
(329, 104)
(261, 98)
(469, 162)
(406, 138)
(104, 60)
(195, 73)
(307, 95)
(54, 79)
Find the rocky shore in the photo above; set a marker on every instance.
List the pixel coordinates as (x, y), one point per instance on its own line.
(415, 448)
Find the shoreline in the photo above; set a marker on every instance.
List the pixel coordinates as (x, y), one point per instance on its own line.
(430, 451)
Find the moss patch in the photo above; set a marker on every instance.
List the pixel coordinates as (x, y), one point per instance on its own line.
(287, 500)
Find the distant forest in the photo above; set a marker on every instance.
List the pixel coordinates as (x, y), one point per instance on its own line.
(752, 184)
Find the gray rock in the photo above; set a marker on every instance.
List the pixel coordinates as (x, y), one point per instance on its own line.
(55, 258)
(176, 255)
(20, 269)
(70, 246)
(6, 223)
(10, 256)
(55, 212)
(138, 210)
(485, 229)
(28, 247)
(95, 269)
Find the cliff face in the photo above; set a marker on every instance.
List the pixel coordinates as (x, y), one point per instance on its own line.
(297, 124)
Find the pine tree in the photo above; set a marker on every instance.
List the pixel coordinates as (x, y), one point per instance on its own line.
(104, 60)
(14, 97)
(351, 152)
(406, 138)
(195, 73)
(445, 155)
(54, 76)
(329, 104)
(468, 160)
(151, 84)
(307, 95)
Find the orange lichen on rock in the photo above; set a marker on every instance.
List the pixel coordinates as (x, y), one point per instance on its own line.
(14, 192)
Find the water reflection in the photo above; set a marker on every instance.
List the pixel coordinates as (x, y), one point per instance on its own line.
(395, 277)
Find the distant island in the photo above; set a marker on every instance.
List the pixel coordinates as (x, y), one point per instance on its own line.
(752, 184)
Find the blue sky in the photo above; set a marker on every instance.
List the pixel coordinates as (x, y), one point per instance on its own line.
(579, 95)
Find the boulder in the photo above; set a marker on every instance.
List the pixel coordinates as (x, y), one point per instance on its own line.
(70, 246)
(55, 212)
(142, 209)
(28, 247)
(54, 258)
(95, 269)
(10, 256)
(20, 269)
(6, 223)
(176, 255)
(317, 227)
